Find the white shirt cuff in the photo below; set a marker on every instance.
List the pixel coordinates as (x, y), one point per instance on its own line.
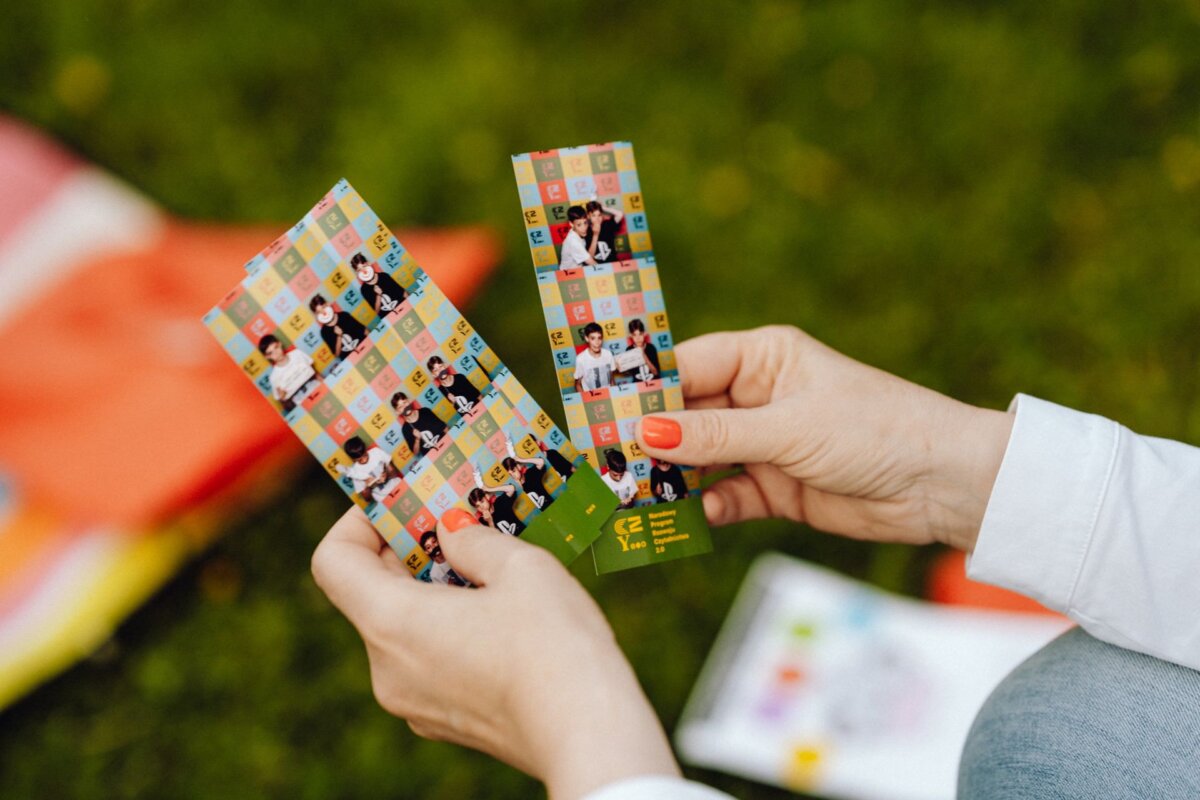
(656, 787)
(1045, 503)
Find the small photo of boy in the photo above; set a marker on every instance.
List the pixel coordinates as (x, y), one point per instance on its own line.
(341, 332)
(371, 471)
(422, 429)
(494, 507)
(379, 289)
(638, 340)
(619, 479)
(292, 373)
(574, 247)
(666, 482)
(461, 393)
(439, 570)
(603, 227)
(594, 365)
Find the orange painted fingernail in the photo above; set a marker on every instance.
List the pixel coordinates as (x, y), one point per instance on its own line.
(456, 519)
(661, 432)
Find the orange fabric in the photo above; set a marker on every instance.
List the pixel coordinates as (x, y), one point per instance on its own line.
(120, 408)
(948, 583)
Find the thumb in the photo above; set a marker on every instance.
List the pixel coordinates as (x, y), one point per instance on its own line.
(476, 552)
(712, 436)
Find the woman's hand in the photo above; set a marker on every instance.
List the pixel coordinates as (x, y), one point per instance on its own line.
(829, 441)
(524, 667)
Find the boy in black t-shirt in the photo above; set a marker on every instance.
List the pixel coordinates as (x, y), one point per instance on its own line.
(456, 388)
(422, 429)
(494, 508)
(379, 289)
(666, 482)
(341, 332)
(638, 339)
(603, 224)
(530, 473)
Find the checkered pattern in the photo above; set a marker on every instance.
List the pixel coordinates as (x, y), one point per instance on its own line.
(352, 394)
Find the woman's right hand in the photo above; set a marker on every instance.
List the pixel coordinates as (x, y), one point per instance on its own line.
(827, 440)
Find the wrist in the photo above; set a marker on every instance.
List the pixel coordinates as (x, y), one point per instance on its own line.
(965, 473)
(603, 731)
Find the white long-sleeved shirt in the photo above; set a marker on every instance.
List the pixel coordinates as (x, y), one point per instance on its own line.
(1088, 518)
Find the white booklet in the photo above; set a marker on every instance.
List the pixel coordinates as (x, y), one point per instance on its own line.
(828, 686)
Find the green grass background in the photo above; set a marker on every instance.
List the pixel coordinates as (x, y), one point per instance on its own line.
(985, 198)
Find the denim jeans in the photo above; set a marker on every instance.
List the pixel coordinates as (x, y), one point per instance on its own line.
(1085, 719)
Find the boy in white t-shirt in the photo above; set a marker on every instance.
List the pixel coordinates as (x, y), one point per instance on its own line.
(372, 472)
(574, 247)
(292, 373)
(594, 366)
(439, 570)
(619, 479)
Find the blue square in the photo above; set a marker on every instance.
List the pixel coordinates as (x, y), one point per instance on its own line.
(635, 222)
(365, 404)
(350, 298)
(530, 196)
(527, 407)
(391, 438)
(443, 499)
(626, 429)
(264, 382)
(581, 188)
(430, 397)
(555, 438)
(582, 438)
(323, 447)
(466, 364)
(641, 469)
(341, 189)
(323, 263)
(539, 237)
(310, 340)
(442, 327)
(391, 260)
(475, 345)
(254, 266)
(653, 300)
(629, 182)
(239, 347)
(662, 341)
(283, 305)
(556, 317)
(366, 225)
(564, 358)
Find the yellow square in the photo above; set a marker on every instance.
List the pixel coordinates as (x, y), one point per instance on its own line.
(401, 455)
(527, 448)
(444, 409)
(390, 344)
(298, 323)
(307, 245)
(627, 407)
(378, 242)
(633, 450)
(406, 272)
(378, 422)
(601, 286)
(612, 329)
(672, 398)
(524, 172)
(495, 476)
(338, 281)
(552, 481)
(639, 243)
(348, 388)
(266, 287)
(502, 413)
(692, 478)
(576, 416)
(589, 456)
(666, 361)
(364, 314)
(387, 525)
(560, 338)
(488, 360)
(644, 488)
(306, 428)
(523, 506)
(223, 328)
(455, 346)
(633, 202)
(338, 459)
(463, 328)
(625, 160)
(551, 296)
(416, 383)
(427, 306)
(657, 322)
(352, 205)
(541, 423)
(255, 364)
(545, 256)
(468, 442)
(416, 560)
(576, 166)
(322, 357)
(426, 485)
(566, 377)
(511, 390)
(534, 217)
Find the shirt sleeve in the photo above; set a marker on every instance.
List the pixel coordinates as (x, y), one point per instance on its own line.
(656, 787)
(1093, 520)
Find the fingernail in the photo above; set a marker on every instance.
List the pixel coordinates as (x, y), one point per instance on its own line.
(661, 432)
(456, 519)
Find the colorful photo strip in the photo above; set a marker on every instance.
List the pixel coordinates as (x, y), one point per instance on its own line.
(611, 342)
(394, 392)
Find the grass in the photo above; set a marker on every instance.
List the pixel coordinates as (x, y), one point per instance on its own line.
(985, 199)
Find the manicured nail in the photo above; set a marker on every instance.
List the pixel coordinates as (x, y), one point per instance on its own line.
(456, 519)
(661, 432)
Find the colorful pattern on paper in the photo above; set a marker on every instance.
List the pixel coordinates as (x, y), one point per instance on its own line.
(342, 331)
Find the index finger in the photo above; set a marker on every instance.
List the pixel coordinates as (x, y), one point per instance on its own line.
(348, 565)
(714, 363)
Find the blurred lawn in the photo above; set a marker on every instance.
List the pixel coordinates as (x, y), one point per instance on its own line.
(984, 199)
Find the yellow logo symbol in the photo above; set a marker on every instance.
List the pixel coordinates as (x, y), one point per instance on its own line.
(628, 525)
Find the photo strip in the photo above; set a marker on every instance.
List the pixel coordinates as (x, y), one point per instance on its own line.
(397, 396)
(611, 342)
